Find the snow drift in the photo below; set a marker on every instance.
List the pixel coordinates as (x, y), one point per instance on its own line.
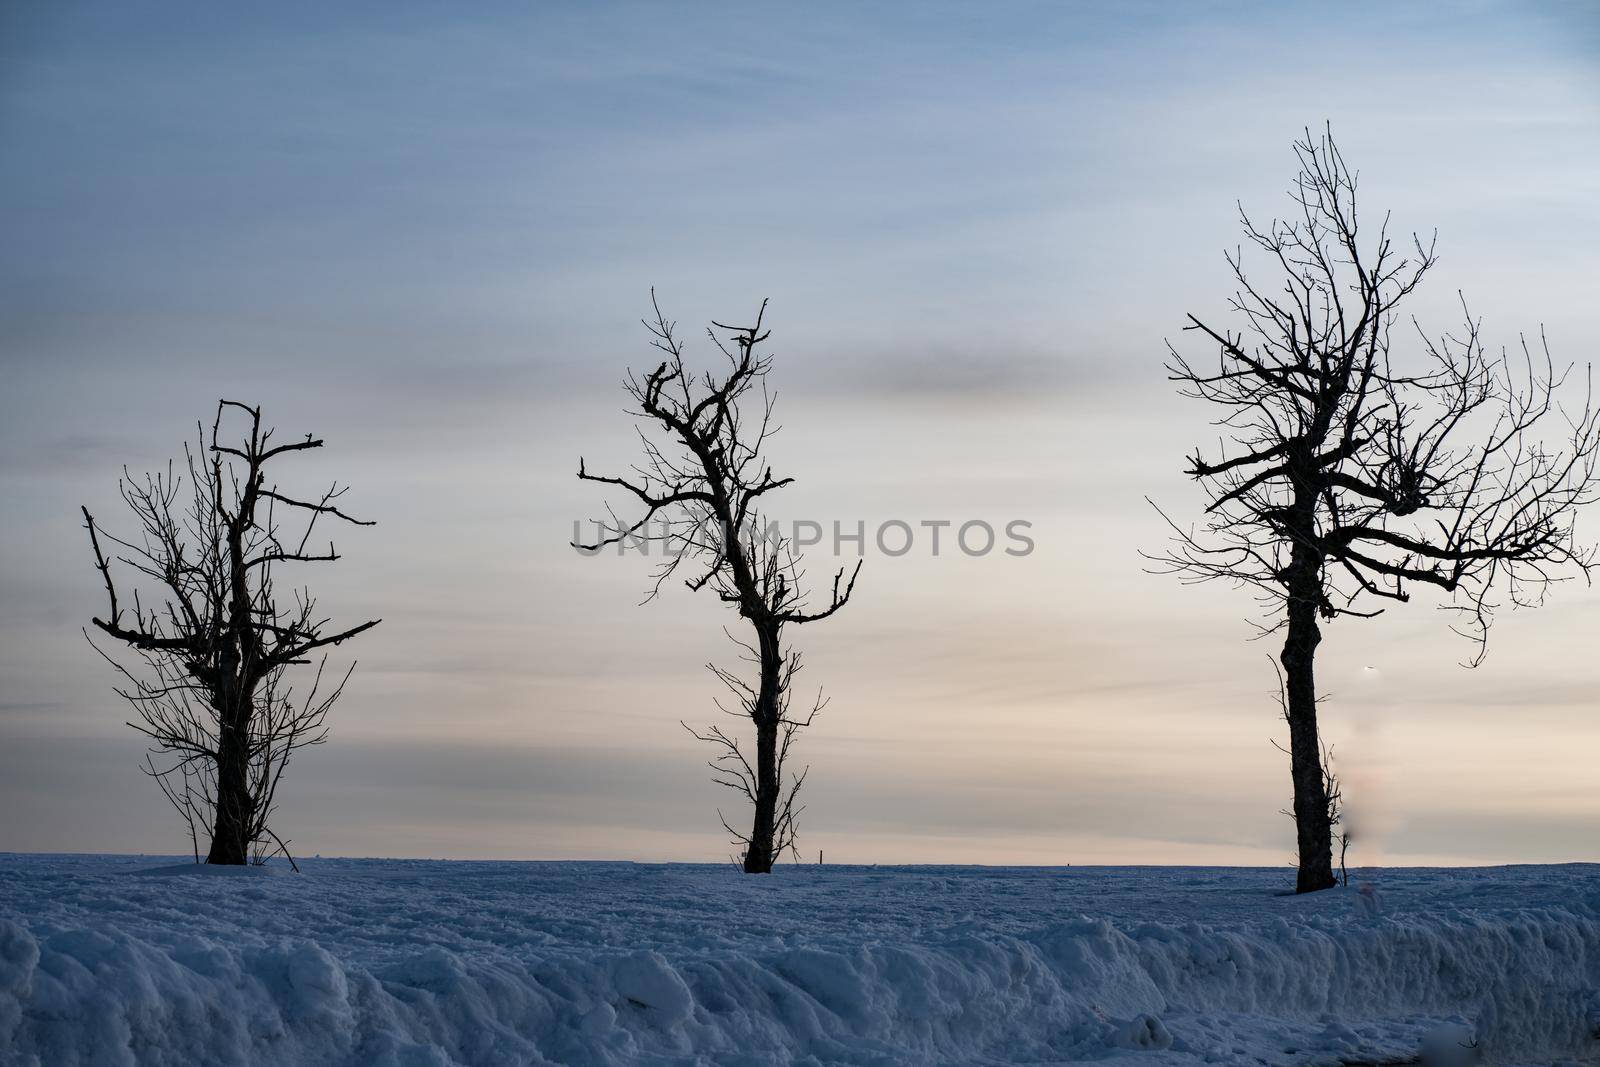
(121, 961)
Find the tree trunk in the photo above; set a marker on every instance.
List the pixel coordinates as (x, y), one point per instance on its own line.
(230, 835)
(234, 699)
(760, 854)
(1314, 831)
(761, 851)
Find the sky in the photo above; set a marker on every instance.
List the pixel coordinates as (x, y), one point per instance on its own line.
(427, 232)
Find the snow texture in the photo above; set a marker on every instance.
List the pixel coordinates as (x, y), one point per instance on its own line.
(402, 963)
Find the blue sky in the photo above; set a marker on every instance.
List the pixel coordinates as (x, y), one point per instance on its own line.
(427, 232)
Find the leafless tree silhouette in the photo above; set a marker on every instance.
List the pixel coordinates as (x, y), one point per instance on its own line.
(700, 496)
(216, 643)
(1348, 475)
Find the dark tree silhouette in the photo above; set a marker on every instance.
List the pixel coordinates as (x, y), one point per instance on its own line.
(216, 642)
(701, 497)
(1348, 475)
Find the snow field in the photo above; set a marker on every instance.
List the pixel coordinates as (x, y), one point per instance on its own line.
(121, 960)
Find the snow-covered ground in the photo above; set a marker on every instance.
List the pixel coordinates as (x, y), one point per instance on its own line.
(124, 960)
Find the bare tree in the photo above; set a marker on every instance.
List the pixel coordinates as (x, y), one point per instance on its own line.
(215, 641)
(1348, 475)
(700, 496)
